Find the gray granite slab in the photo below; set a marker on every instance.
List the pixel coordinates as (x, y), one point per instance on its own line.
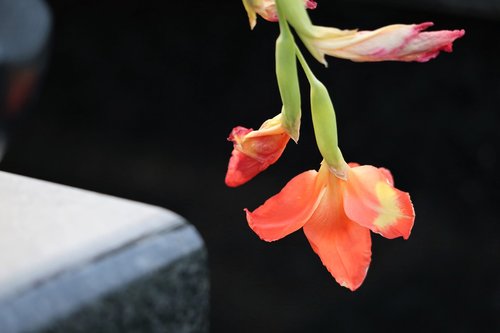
(71, 260)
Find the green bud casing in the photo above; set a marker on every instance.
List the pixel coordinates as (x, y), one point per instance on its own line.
(288, 81)
(325, 125)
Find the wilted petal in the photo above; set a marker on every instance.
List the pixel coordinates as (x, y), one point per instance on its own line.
(267, 10)
(241, 169)
(399, 42)
(265, 148)
(371, 200)
(288, 210)
(310, 4)
(252, 14)
(255, 151)
(319, 37)
(343, 246)
(427, 45)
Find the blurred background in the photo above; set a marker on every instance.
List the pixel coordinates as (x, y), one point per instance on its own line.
(136, 98)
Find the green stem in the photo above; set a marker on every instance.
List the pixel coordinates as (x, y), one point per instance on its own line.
(281, 17)
(287, 77)
(309, 74)
(324, 120)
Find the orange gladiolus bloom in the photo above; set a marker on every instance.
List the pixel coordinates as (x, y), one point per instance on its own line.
(255, 151)
(337, 215)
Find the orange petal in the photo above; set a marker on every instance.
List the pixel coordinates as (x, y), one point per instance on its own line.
(265, 148)
(288, 210)
(343, 246)
(388, 175)
(372, 201)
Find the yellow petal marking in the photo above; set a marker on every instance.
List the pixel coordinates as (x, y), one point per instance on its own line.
(389, 211)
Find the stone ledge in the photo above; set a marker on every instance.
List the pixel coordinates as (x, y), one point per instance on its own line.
(73, 258)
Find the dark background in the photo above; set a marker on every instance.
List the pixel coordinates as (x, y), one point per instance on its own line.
(138, 99)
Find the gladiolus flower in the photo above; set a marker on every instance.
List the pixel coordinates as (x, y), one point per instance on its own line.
(337, 215)
(398, 42)
(267, 10)
(255, 151)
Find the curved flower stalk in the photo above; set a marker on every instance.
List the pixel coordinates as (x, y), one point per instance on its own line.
(397, 42)
(255, 151)
(341, 203)
(267, 9)
(337, 216)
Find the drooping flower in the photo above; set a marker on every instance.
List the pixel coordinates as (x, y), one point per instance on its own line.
(255, 151)
(397, 42)
(337, 215)
(267, 9)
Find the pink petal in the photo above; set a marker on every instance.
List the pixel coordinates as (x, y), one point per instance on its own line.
(238, 132)
(398, 42)
(288, 210)
(310, 4)
(424, 46)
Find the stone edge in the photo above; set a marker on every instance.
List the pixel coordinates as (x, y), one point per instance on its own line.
(67, 291)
